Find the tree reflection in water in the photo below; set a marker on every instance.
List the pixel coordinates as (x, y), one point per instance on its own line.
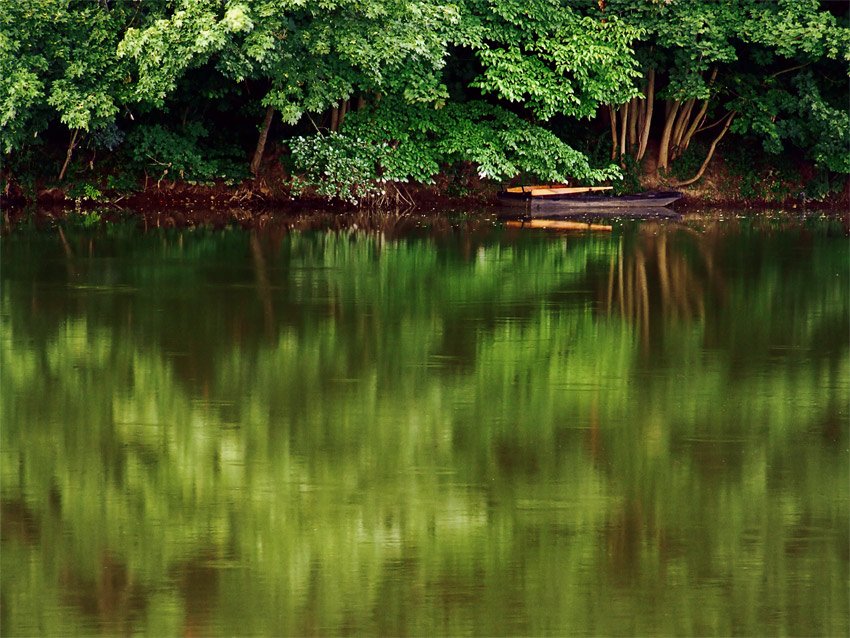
(425, 428)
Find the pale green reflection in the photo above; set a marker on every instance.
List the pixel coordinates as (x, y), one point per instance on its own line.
(474, 433)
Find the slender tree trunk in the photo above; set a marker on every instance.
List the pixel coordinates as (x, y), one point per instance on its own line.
(679, 128)
(686, 138)
(641, 120)
(261, 141)
(343, 110)
(613, 116)
(624, 119)
(361, 103)
(664, 150)
(720, 135)
(634, 113)
(697, 121)
(71, 146)
(650, 100)
(335, 119)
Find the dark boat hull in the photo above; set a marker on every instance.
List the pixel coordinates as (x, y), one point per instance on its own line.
(554, 204)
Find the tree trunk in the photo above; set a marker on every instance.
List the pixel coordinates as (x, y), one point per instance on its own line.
(624, 119)
(679, 128)
(641, 120)
(650, 103)
(361, 103)
(664, 149)
(634, 111)
(343, 110)
(335, 119)
(261, 141)
(71, 146)
(613, 116)
(702, 168)
(686, 139)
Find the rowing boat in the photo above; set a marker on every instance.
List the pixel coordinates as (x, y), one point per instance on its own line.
(551, 199)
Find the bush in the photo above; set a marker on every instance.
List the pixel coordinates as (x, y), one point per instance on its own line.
(183, 154)
(337, 166)
(772, 181)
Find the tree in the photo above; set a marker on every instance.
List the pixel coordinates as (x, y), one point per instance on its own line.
(734, 66)
(57, 58)
(313, 56)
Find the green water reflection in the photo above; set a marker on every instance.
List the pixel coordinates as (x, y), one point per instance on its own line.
(479, 431)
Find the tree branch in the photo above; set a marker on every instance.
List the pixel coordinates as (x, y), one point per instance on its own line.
(793, 68)
(702, 168)
(70, 152)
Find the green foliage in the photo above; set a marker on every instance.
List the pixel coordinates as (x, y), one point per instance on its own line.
(312, 54)
(795, 114)
(83, 190)
(821, 185)
(121, 182)
(183, 153)
(25, 166)
(781, 66)
(102, 72)
(174, 39)
(689, 162)
(400, 143)
(770, 179)
(552, 58)
(821, 126)
(632, 173)
(58, 63)
(797, 29)
(336, 166)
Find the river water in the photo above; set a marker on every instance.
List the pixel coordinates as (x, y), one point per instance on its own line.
(427, 428)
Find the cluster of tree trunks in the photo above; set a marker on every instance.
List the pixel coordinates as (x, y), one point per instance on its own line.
(683, 118)
(632, 120)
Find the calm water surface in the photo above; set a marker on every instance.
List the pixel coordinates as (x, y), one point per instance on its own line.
(458, 430)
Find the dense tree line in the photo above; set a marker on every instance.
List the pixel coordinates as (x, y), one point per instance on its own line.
(356, 95)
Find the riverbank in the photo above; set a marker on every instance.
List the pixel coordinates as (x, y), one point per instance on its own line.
(176, 203)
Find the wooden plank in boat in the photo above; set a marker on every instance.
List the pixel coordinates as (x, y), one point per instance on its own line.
(528, 189)
(567, 190)
(555, 189)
